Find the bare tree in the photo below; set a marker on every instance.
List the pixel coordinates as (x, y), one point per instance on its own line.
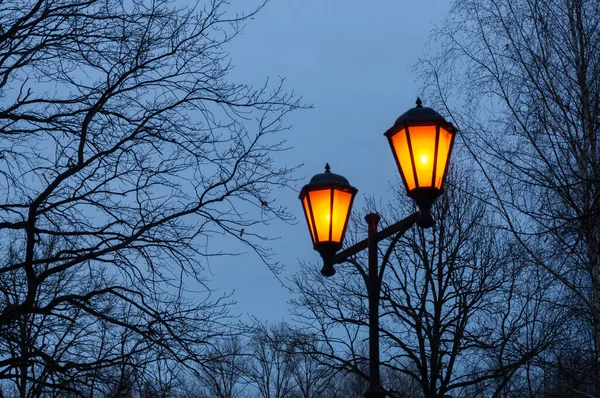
(272, 366)
(312, 378)
(520, 79)
(269, 362)
(76, 352)
(123, 141)
(224, 372)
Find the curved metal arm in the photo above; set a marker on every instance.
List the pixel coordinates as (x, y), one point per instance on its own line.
(399, 234)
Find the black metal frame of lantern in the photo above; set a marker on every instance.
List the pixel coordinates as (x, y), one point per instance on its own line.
(327, 217)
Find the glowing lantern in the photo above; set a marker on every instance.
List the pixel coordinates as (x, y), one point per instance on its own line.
(421, 140)
(327, 200)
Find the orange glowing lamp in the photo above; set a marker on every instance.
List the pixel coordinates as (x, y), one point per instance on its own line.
(327, 200)
(421, 140)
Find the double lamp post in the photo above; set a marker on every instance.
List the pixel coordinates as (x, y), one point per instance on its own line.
(421, 141)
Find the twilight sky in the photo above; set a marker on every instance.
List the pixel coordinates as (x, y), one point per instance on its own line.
(353, 61)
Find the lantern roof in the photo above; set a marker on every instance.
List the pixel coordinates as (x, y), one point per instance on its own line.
(329, 178)
(420, 115)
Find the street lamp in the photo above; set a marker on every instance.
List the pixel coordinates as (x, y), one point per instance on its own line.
(327, 200)
(421, 141)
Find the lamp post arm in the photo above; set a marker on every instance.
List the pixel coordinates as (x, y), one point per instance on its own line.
(400, 227)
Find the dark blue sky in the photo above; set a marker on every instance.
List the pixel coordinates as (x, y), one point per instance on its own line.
(353, 60)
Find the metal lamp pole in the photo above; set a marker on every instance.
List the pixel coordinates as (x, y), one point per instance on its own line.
(373, 282)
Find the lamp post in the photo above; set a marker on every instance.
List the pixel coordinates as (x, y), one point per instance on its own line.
(421, 141)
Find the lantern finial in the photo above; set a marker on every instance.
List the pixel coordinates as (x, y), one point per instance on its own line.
(327, 168)
(419, 103)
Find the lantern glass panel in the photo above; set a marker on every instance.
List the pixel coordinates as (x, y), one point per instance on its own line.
(320, 201)
(308, 213)
(400, 144)
(341, 206)
(422, 140)
(445, 140)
